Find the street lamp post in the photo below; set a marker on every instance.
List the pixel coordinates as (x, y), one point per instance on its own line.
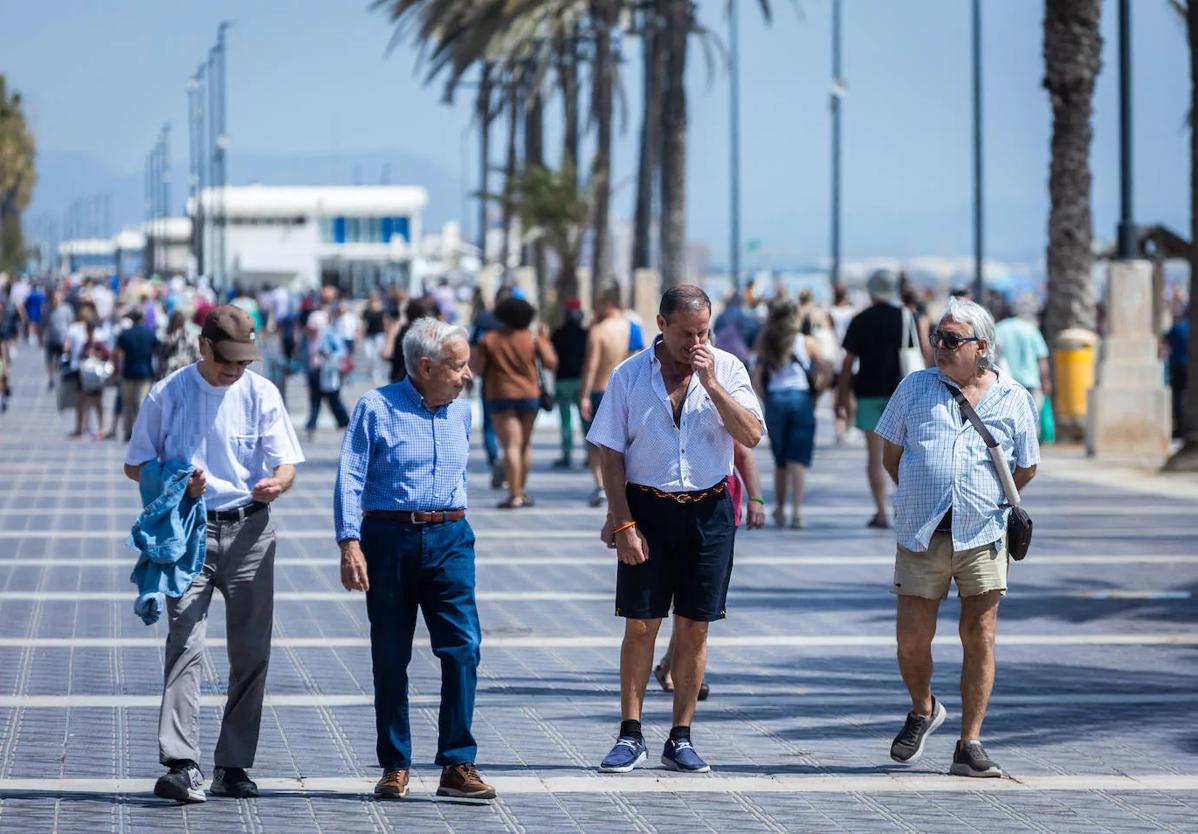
(978, 229)
(836, 94)
(1127, 244)
(734, 143)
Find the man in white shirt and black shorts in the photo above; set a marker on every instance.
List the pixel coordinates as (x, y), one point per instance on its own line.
(230, 424)
(665, 430)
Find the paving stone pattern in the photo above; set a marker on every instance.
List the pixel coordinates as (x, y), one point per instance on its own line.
(1096, 678)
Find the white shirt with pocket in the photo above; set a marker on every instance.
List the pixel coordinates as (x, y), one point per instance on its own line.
(238, 434)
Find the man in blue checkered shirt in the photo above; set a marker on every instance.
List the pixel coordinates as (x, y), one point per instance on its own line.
(950, 518)
(400, 512)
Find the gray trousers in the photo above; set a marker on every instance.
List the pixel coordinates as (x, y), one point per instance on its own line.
(240, 562)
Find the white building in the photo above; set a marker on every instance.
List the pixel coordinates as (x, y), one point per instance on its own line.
(357, 237)
(90, 257)
(167, 246)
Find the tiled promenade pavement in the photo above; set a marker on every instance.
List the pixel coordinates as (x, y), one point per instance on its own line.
(1093, 714)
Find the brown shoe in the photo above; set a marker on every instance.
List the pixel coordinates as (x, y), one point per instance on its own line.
(393, 785)
(462, 780)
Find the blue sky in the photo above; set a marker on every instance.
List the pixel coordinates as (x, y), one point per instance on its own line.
(314, 77)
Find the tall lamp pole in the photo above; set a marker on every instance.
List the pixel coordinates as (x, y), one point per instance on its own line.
(979, 286)
(734, 144)
(1127, 228)
(836, 94)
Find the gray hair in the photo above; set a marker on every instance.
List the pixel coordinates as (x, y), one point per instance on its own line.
(428, 337)
(980, 322)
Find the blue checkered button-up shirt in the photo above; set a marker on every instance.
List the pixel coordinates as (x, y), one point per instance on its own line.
(400, 455)
(945, 462)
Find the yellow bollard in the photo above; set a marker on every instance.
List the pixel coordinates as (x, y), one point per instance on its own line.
(1073, 369)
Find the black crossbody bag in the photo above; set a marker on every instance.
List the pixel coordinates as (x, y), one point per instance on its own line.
(1019, 523)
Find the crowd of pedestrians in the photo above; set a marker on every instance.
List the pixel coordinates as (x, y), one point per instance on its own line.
(670, 426)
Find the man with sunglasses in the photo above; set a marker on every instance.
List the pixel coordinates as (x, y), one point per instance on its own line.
(950, 518)
(228, 423)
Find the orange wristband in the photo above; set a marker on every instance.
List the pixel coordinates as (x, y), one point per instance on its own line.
(623, 527)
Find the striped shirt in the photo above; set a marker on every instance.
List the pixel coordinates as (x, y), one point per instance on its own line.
(637, 418)
(945, 462)
(400, 455)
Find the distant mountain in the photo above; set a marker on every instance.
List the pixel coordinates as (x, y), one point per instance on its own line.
(66, 177)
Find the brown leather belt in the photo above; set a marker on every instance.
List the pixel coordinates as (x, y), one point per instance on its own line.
(406, 517)
(683, 497)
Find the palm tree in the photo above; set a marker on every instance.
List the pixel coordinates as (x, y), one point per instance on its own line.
(17, 176)
(1186, 458)
(650, 139)
(677, 18)
(1072, 59)
(678, 21)
(603, 71)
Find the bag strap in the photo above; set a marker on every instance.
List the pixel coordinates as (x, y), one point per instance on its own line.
(996, 458)
(909, 328)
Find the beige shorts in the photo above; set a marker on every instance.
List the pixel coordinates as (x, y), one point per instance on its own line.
(928, 575)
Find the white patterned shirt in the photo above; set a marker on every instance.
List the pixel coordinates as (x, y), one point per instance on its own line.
(637, 418)
(945, 462)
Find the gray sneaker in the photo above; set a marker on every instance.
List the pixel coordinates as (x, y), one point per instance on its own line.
(970, 759)
(908, 744)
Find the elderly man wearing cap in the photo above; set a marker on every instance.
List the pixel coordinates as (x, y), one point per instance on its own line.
(231, 426)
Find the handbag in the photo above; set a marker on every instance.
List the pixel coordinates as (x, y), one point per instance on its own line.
(1019, 523)
(910, 353)
(544, 397)
(94, 374)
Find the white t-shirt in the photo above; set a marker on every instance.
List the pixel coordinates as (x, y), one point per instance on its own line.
(791, 376)
(238, 433)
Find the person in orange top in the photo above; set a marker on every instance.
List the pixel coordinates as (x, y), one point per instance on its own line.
(506, 360)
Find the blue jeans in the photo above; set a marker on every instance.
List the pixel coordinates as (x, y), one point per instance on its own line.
(430, 567)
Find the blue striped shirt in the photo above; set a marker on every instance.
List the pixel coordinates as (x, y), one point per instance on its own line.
(945, 462)
(400, 455)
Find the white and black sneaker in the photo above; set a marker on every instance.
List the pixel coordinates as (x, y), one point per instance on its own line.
(184, 783)
(908, 744)
(970, 759)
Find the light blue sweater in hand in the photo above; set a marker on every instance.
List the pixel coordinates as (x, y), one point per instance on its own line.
(171, 536)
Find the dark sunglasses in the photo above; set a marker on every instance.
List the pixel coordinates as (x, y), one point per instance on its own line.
(950, 341)
(219, 361)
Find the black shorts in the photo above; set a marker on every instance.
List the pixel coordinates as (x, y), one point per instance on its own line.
(690, 556)
(521, 405)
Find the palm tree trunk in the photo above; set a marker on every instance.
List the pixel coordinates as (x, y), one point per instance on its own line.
(509, 172)
(675, 17)
(1072, 58)
(642, 238)
(1186, 458)
(534, 154)
(567, 74)
(484, 126)
(603, 76)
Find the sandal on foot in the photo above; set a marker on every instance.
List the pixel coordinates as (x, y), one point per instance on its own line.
(511, 503)
(704, 691)
(878, 523)
(662, 680)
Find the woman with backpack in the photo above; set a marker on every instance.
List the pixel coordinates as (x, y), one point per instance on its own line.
(788, 376)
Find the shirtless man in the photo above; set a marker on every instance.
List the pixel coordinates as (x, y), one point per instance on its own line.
(611, 340)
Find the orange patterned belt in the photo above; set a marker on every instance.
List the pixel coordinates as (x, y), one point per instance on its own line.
(684, 497)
